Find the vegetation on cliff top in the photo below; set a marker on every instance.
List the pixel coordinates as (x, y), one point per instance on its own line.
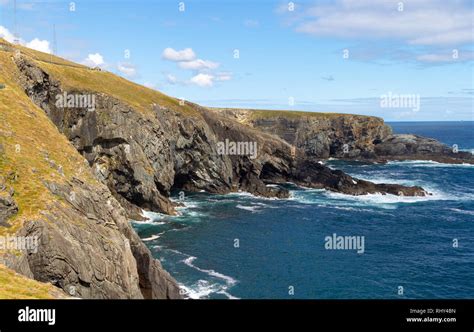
(16, 286)
(78, 77)
(32, 151)
(258, 114)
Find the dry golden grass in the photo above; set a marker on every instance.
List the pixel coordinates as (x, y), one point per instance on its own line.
(16, 286)
(30, 143)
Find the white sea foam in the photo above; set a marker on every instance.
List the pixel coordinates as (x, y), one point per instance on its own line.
(427, 163)
(153, 237)
(148, 222)
(468, 212)
(379, 198)
(252, 209)
(203, 289)
(326, 198)
(229, 280)
(152, 216)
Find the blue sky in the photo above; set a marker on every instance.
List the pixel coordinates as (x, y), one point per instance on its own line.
(328, 56)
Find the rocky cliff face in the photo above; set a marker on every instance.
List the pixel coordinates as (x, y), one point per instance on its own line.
(143, 156)
(346, 136)
(48, 192)
(124, 156)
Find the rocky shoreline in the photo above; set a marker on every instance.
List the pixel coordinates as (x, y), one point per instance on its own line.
(138, 155)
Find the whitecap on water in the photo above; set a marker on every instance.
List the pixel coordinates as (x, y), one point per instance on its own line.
(426, 163)
(471, 213)
(252, 209)
(229, 280)
(153, 237)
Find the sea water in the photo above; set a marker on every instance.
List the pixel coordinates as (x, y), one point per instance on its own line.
(242, 246)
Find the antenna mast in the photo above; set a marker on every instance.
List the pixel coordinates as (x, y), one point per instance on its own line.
(16, 40)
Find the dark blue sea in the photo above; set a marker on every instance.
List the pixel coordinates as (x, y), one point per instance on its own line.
(241, 246)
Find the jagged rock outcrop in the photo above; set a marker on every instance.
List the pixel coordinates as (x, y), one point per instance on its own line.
(142, 157)
(401, 147)
(318, 135)
(314, 175)
(139, 156)
(346, 136)
(88, 248)
(86, 245)
(8, 206)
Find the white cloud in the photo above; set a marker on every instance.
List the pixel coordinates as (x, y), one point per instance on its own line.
(39, 45)
(184, 55)
(203, 80)
(203, 70)
(127, 69)
(198, 64)
(94, 60)
(421, 22)
(6, 34)
(35, 44)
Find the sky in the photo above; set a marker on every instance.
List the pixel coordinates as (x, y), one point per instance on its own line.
(406, 60)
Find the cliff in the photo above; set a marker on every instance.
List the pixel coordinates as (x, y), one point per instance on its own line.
(47, 191)
(73, 174)
(345, 136)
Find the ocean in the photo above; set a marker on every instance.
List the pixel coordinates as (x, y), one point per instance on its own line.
(242, 246)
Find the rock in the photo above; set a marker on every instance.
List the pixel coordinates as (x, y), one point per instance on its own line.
(346, 136)
(8, 207)
(142, 158)
(402, 147)
(139, 158)
(314, 175)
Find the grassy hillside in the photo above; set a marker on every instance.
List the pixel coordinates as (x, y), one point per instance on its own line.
(32, 150)
(16, 286)
(79, 77)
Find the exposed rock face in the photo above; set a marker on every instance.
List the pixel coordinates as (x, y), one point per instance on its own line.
(320, 136)
(8, 206)
(88, 248)
(314, 175)
(87, 243)
(347, 136)
(416, 147)
(142, 157)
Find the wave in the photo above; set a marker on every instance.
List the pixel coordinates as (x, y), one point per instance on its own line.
(203, 289)
(379, 198)
(328, 199)
(471, 213)
(252, 209)
(229, 280)
(148, 222)
(427, 163)
(244, 194)
(153, 237)
(152, 216)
